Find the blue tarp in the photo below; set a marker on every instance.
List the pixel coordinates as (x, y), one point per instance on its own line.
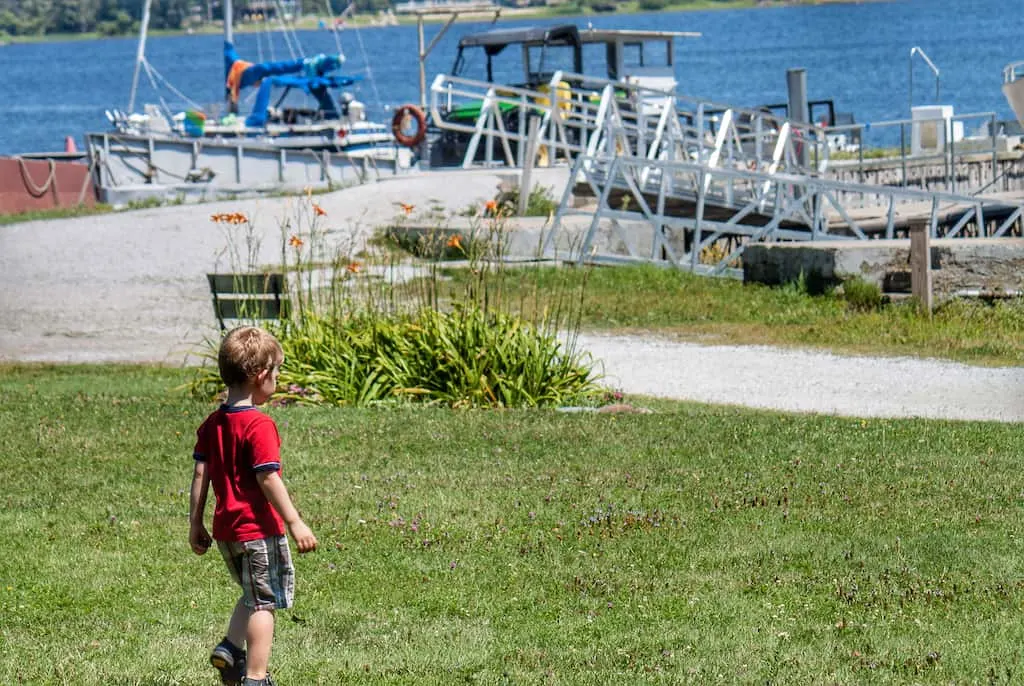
(318, 87)
(310, 74)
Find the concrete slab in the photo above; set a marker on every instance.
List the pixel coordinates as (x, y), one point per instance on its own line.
(988, 264)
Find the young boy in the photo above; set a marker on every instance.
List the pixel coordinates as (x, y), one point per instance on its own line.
(238, 452)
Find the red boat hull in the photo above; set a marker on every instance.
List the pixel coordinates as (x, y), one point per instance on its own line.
(31, 185)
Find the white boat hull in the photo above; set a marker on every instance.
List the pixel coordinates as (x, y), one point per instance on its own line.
(168, 166)
(1014, 92)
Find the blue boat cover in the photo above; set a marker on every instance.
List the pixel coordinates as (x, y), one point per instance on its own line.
(310, 74)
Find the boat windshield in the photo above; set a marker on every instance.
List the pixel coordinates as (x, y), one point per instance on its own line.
(654, 53)
(545, 60)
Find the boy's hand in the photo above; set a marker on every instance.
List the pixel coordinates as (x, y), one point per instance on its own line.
(199, 538)
(303, 536)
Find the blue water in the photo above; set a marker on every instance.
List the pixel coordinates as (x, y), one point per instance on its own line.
(856, 54)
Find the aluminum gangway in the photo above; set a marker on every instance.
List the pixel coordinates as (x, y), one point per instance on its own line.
(689, 182)
(583, 115)
(575, 113)
(700, 216)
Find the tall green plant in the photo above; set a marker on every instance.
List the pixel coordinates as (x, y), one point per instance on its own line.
(357, 336)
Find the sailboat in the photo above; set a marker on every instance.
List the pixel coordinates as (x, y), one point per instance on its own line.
(325, 140)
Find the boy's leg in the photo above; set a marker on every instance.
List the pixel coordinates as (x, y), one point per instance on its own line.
(265, 572)
(228, 657)
(238, 626)
(259, 638)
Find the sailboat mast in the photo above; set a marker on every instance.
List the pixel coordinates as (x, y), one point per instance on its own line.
(229, 17)
(229, 39)
(140, 55)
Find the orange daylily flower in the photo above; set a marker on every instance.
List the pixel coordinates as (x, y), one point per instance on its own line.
(491, 206)
(295, 241)
(455, 242)
(353, 267)
(319, 211)
(229, 218)
(407, 208)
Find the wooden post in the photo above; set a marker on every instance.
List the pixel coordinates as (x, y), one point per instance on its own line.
(531, 154)
(921, 263)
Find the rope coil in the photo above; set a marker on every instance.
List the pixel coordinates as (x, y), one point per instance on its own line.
(34, 190)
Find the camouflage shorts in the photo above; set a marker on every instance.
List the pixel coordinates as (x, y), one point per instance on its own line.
(263, 568)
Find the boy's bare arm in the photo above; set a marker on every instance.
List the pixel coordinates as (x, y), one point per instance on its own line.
(198, 537)
(273, 487)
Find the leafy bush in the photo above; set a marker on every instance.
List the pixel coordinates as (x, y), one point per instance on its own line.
(539, 203)
(862, 296)
(357, 339)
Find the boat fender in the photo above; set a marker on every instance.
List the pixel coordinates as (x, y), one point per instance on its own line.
(399, 124)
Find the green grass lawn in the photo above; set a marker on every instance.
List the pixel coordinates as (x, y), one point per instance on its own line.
(649, 299)
(693, 545)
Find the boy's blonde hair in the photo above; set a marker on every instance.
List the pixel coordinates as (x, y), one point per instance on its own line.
(245, 352)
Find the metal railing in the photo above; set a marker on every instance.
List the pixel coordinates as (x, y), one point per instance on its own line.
(701, 218)
(579, 114)
(892, 143)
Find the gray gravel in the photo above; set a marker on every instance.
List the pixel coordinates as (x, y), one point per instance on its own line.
(132, 287)
(808, 381)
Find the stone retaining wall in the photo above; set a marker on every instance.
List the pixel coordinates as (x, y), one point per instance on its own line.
(988, 265)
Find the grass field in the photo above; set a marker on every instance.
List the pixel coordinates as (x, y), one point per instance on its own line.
(648, 299)
(693, 545)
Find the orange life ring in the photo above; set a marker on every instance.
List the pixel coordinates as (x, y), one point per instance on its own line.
(399, 121)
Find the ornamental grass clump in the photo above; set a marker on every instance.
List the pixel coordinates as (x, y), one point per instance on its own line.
(361, 334)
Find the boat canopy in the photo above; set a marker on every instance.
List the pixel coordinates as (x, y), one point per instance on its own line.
(592, 35)
(495, 41)
(640, 55)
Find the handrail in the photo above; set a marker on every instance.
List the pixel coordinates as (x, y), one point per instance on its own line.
(594, 107)
(791, 207)
(918, 51)
(1010, 73)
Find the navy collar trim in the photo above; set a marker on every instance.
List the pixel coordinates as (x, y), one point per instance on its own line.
(231, 409)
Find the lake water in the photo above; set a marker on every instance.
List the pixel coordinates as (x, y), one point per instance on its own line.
(857, 54)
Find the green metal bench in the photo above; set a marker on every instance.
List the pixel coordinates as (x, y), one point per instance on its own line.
(248, 297)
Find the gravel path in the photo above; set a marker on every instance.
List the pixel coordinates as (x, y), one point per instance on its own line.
(132, 287)
(806, 381)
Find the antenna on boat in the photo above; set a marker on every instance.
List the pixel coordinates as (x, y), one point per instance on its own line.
(140, 55)
(935, 70)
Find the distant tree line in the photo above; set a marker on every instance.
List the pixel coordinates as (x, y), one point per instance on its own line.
(106, 17)
(118, 17)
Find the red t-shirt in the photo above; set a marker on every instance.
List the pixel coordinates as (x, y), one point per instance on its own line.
(236, 443)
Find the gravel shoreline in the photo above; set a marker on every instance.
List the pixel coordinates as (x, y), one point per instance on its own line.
(131, 287)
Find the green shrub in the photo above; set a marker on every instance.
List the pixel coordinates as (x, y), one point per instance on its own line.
(354, 338)
(540, 203)
(861, 295)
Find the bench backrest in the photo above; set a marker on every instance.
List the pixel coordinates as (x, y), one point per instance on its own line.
(248, 296)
